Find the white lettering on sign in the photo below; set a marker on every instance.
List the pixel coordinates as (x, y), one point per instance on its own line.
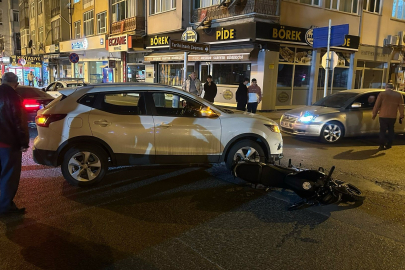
(118, 43)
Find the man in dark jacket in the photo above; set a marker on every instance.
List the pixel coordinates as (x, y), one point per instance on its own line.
(242, 95)
(210, 89)
(14, 139)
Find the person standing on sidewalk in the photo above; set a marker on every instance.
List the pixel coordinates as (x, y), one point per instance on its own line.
(387, 105)
(254, 96)
(30, 78)
(14, 139)
(192, 85)
(210, 89)
(242, 95)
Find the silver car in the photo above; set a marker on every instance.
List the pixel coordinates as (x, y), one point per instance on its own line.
(344, 114)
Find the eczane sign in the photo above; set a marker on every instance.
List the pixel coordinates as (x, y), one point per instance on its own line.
(119, 43)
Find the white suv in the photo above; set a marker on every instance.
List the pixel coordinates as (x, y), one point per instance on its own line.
(89, 129)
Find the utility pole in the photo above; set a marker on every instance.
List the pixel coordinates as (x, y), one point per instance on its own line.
(325, 90)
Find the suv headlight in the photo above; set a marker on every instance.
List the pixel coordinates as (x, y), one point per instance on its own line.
(274, 128)
(307, 117)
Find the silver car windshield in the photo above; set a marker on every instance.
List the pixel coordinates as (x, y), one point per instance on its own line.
(337, 100)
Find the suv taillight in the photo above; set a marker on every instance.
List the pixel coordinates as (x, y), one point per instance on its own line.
(31, 104)
(45, 120)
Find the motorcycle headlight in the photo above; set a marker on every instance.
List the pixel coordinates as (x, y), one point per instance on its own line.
(274, 128)
(307, 117)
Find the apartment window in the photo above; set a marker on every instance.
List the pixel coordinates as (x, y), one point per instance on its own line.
(349, 6)
(32, 10)
(102, 22)
(372, 6)
(157, 6)
(76, 1)
(123, 9)
(309, 2)
(55, 26)
(88, 23)
(40, 8)
(1, 17)
(41, 35)
(16, 16)
(208, 3)
(88, 3)
(398, 9)
(76, 33)
(33, 37)
(25, 38)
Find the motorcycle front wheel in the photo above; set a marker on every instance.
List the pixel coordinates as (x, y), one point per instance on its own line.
(352, 194)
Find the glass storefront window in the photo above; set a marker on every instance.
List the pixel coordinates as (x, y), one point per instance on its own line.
(340, 79)
(370, 74)
(230, 73)
(95, 70)
(172, 74)
(136, 73)
(79, 70)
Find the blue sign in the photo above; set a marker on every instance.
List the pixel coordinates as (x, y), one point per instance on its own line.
(337, 36)
(74, 58)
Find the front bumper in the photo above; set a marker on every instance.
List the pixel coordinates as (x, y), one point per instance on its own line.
(301, 129)
(45, 157)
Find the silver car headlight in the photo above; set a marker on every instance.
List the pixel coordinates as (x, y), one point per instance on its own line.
(307, 117)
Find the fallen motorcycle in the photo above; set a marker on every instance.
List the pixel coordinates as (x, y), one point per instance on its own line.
(313, 186)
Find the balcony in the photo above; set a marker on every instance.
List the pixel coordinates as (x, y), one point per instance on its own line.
(240, 7)
(55, 11)
(127, 25)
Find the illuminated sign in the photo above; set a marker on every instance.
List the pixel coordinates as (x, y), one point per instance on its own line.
(159, 41)
(189, 35)
(224, 34)
(80, 45)
(119, 43)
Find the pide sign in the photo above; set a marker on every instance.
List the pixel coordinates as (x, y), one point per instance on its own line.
(119, 43)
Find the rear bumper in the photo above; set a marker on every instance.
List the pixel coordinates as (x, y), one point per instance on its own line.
(45, 157)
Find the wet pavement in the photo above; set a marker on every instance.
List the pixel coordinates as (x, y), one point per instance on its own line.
(185, 217)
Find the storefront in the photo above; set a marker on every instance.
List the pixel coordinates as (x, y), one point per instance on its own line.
(23, 65)
(299, 73)
(93, 58)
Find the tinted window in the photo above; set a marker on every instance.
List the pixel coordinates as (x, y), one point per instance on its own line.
(75, 84)
(30, 92)
(124, 103)
(367, 100)
(167, 104)
(336, 101)
(88, 100)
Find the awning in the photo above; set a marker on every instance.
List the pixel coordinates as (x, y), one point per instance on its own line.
(164, 56)
(240, 53)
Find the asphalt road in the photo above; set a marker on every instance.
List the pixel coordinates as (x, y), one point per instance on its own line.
(183, 217)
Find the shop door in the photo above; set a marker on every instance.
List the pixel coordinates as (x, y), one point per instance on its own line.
(204, 72)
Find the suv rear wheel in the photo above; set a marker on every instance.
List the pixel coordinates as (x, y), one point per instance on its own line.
(84, 165)
(245, 150)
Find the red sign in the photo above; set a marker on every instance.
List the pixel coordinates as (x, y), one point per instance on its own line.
(117, 41)
(203, 15)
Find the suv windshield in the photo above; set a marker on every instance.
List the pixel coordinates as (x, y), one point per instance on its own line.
(337, 100)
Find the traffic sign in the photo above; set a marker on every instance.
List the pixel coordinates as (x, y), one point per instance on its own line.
(189, 46)
(333, 58)
(22, 61)
(74, 58)
(337, 36)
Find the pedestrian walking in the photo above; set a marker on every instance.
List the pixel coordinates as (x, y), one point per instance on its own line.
(14, 139)
(242, 95)
(30, 78)
(192, 85)
(387, 105)
(254, 96)
(210, 89)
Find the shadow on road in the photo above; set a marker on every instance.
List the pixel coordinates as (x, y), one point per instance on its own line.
(359, 155)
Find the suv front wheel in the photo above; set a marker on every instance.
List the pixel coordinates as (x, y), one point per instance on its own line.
(84, 165)
(245, 150)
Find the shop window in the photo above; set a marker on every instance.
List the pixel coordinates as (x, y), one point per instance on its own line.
(40, 7)
(77, 31)
(88, 23)
(158, 6)
(350, 6)
(102, 22)
(372, 6)
(230, 73)
(136, 73)
(370, 74)
(172, 74)
(205, 3)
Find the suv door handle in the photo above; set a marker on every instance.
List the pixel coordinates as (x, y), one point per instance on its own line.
(165, 125)
(102, 123)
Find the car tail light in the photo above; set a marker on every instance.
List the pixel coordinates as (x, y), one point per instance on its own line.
(31, 104)
(45, 120)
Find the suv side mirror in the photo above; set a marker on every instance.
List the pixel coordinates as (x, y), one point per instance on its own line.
(207, 112)
(356, 105)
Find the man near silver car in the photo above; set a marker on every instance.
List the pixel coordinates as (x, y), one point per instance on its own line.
(387, 105)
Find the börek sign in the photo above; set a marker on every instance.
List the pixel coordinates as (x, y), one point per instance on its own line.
(119, 43)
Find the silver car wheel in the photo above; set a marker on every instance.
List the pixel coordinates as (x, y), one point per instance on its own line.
(247, 154)
(332, 132)
(84, 166)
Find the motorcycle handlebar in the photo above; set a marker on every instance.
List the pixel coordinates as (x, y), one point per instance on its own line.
(330, 173)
